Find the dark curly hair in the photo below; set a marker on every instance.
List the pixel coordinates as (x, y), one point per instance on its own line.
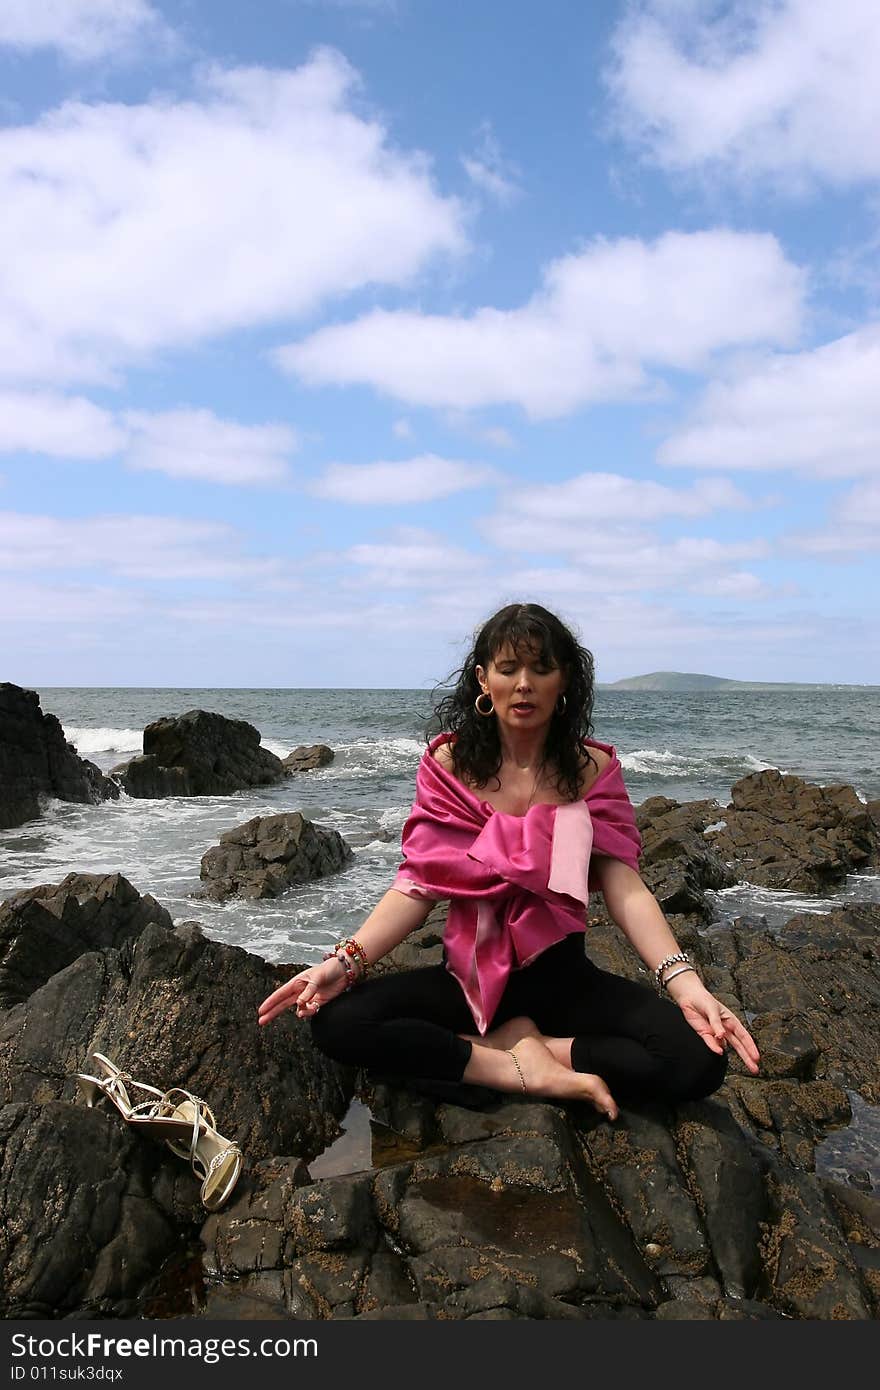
(476, 748)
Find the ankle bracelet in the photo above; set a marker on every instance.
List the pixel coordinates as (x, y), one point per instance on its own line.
(522, 1080)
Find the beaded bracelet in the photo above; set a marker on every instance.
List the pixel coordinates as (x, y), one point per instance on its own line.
(355, 953)
(350, 978)
(667, 961)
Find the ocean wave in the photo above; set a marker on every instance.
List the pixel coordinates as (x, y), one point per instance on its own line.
(651, 762)
(366, 757)
(280, 750)
(88, 741)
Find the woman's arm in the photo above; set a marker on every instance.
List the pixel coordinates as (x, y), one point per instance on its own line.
(392, 919)
(637, 912)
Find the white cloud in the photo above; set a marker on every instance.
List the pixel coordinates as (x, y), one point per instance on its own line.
(817, 412)
(498, 437)
(422, 479)
(601, 318)
(196, 444)
(83, 30)
(853, 528)
(736, 584)
(615, 561)
(38, 605)
(786, 90)
(413, 557)
(489, 171)
(592, 498)
(43, 422)
(128, 228)
(180, 443)
(134, 547)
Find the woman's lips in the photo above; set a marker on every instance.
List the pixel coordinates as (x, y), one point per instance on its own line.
(522, 708)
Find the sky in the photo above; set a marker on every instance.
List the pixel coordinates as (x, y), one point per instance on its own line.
(327, 327)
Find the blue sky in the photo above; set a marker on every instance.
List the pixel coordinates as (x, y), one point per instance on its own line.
(328, 326)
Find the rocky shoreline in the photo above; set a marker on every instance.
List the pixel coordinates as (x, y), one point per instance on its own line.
(470, 1205)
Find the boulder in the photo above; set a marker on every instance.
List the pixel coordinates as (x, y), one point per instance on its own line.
(37, 762)
(305, 759)
(784, 833)
(268, 854)
(678, 863)
(199, 754)
(89, 1212)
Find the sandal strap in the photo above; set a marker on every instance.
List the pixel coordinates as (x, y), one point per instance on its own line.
(202, 1115)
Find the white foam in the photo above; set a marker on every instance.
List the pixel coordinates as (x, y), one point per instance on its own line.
(280, 750)
(653, 762)
(88, 741)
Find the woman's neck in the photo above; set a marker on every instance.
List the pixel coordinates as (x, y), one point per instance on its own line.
(525, 750)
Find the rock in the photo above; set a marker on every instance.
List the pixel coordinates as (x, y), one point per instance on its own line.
(783, 832)
(809, 1266)
(679, 864)
(83, 1221)
(37, 762)
(268, 854)
(817, 985)
(305, 759)
(199, 754)
(91, 1211)
(44, 929)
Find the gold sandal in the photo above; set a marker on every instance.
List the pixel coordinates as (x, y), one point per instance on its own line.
(144, 1116)
(217, 1161)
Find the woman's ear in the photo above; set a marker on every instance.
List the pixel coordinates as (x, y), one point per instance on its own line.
(481, 677)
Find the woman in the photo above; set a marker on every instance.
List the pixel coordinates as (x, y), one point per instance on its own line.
(518, 812)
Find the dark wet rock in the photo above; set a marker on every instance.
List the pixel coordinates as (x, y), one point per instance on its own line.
(808, 1263)
(268, 854)
(678, 863)
(173, 1009)
(307, 758)
(44, 929)
(783, 832)
(37, 762)
(858, 1214)
(199, 753)
(725, 1170)
(82, 1220)
(637, 1163)
(819, 979)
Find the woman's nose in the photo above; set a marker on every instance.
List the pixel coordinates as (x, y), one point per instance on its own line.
(522, 680)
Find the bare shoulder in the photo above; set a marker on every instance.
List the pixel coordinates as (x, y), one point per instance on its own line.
(442, 754)
(595, 762)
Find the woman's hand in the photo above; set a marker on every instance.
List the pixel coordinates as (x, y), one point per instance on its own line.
(307, 991)
(714, 1022)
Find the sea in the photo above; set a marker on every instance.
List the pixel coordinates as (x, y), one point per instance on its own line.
(680, 745)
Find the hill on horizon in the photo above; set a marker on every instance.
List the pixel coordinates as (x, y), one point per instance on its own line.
(685, 680)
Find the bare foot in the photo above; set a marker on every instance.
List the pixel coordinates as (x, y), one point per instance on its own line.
(545, 1076)
(507, 1035)
(511, 1033)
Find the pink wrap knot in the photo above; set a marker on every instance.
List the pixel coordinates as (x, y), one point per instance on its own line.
(517, 884)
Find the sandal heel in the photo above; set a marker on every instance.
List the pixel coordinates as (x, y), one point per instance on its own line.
(89, 1087)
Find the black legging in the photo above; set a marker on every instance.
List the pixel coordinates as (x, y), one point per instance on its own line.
(407, 1024)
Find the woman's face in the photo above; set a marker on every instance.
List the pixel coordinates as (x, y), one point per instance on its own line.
(523, 688)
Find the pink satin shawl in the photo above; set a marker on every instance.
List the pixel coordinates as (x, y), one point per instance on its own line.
(517, 884)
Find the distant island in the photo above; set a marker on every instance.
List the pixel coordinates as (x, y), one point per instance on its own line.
(691, 681)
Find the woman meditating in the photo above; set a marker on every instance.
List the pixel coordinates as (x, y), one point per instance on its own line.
(518, 814)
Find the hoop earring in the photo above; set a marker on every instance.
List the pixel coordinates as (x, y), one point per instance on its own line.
(560, 708)
(484, 695)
